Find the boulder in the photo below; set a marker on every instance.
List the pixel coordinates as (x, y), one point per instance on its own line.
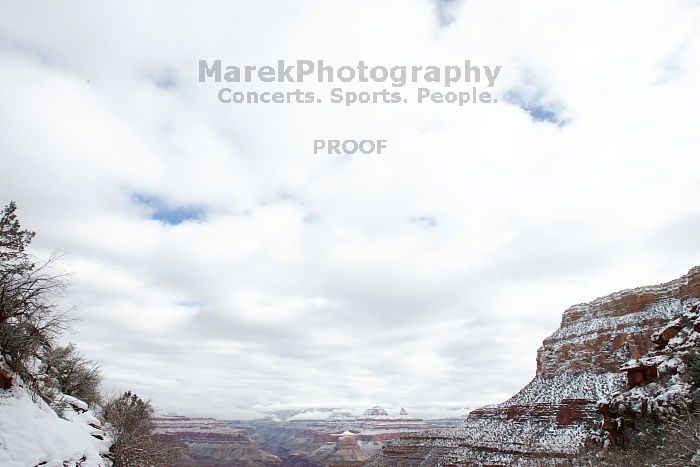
(5, 379)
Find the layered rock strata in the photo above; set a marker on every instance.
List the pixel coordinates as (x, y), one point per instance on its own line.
(206, 441)
(663, 382)
(548, 420)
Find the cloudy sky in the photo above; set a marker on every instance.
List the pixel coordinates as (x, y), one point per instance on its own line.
(220, 268)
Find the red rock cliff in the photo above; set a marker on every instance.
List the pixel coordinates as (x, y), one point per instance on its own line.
(578, 365)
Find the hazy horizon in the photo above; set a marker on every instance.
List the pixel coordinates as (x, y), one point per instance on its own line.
(222, 269)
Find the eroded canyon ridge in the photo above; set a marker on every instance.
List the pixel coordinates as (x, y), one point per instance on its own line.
(577, 366)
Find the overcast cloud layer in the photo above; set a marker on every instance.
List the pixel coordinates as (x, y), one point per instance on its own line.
(221, 269)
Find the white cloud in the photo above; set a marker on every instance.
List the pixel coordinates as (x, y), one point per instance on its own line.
(308, 280)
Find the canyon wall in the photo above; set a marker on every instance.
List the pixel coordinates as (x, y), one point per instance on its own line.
(550, 418)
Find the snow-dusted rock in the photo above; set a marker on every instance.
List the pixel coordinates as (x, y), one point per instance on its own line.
(375, 411)
(31, 433)
(577, 366)
(668, 389)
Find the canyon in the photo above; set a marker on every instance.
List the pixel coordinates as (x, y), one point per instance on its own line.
(583, 362)
(311, 437)
(592, 374)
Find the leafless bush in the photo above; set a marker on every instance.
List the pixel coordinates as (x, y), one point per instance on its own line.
(30, 319)
(73, 374)
(130, 423)
(682, 446)
(692, 360)
(672, 440)
(612, 457)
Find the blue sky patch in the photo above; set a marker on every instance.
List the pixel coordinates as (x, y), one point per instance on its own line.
(166, 81)
(430, 221)
(536, 108)
(163, 212)
(445, 12)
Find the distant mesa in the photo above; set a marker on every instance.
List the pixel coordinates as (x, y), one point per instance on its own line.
(341, 416)
(378, 413)
(347, 451)
(375, 411)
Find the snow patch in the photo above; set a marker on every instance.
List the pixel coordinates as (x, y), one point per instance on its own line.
(31, 433)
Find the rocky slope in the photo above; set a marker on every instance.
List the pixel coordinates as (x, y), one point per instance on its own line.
(347, 452)
(547, 421)
(206, 441)
(322, 437)
(661, 384)
(32, 433)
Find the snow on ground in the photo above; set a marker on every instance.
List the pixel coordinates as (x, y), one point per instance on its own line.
(31, 433)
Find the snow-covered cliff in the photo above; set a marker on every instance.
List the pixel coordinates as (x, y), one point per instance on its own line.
(32, 433)
(547, 421)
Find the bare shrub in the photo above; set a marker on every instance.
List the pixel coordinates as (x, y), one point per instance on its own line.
(130, 423)
(73, 374)
(682, 443)
(672, 440)
(30, 319)
(692, 360)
